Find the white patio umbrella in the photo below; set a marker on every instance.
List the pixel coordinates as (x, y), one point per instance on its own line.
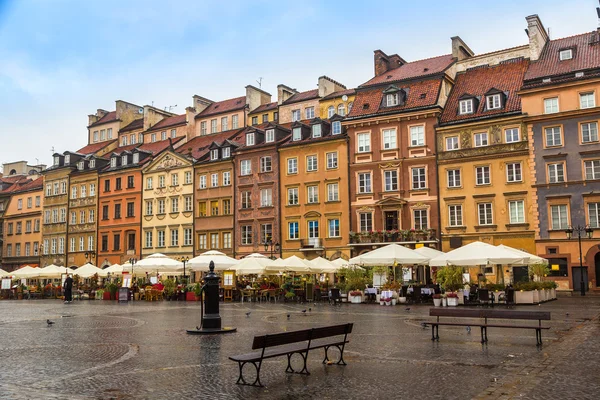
(114, 269)
(27, 272)
(390, 255)
(54, 271)
(250, 265)
(3, 273)
(341, 263)
(533, 259)
(478, 253)
(202, 262)
(290, 264)
(323, 265)
(156, 262)
(257, 255)
(88, 270)
(428, 252)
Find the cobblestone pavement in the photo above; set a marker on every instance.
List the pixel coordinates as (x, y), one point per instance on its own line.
(104, 350)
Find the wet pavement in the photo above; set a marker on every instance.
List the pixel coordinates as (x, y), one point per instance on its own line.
(105, 350)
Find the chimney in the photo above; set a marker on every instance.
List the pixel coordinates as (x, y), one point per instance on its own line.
(284, 92)
(327, 86)
(200, 103)
(396, 61)
(460, 50)
(92, 118)
(256, 97)
(381, 62)
(538, 37)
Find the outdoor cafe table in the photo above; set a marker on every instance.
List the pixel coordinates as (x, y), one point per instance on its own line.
(425, 291)
(371, 293)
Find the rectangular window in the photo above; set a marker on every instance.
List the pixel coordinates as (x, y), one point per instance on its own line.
(589, 132)
(265, 118)
(420, 219)
(311, 163)
(130, 209)
(455, 215)
(316, 131)
(149, 183)
(149, 207)
(224, 124)
(73, 196)
(389, 139)
(485, 213)
(592, 169)
(566, 54)
(551, 105)
(234, 122)
(310, 112)
(265, 164)
(312, 193)
(72, 245)
(452, 143)
(73, 218)
(511, 135)
(454, 178)
(226, 207)
(417, 135)
(292, 196)
(391, 99)
(214, 240)
(513, 172)
(419, 179)
(202, 129)
(118, 184)
(391, 180)
(246, 200)
(295, 115)
(227, 240)
(254, 120)
(246, 234)
(104, 212)
(213, 126)
(296, 134)
(83, 191)
(214, 180)
(292, 166)
(161, 206)
(293, 230)
(82, 217)
(313, 230)
(481, 139)
(202, 241)
(187, 177)
(174, 205)
(332, 160)
(27, 226)
(270, 135)
(188, 203)
(116, 241)
(250, 139)
(174, 179)
(493, 102)
(517, 211)
(202, 209)
(161, 238)
(333, 192)
(594, 215)
(364, 142)
(333, 226)
(226, 178)
(226, 152)
(586, 100)
(466, 106)
(559, 217)
(364, 183)
(202, 182)
(81, 243)
(483, 175)
(174, 237)
(366, 222)
(336, 127)
(266, 197)
(266, 233)
(553, 136)
(246, 167)
(556, 173)
(117, 211)
(149, 241)
(36, 224)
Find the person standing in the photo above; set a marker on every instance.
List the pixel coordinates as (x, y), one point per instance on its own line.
(68, 286)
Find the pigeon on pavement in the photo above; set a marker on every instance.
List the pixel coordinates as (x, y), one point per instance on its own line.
(50, 323)
(248, 313)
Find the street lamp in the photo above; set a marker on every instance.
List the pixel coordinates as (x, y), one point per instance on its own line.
(184, 260)
(589, 232)
(89, 256)
(132, 261)
(273, 246)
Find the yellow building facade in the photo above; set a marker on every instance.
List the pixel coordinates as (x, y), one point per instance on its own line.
(339, 103)
(167, 206)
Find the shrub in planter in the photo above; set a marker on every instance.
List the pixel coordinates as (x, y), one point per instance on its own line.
(112, 288)
(437, 300)
(452, 299)
(450, 277)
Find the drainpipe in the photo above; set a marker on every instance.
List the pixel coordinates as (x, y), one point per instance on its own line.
(439, 218)
(234, 205)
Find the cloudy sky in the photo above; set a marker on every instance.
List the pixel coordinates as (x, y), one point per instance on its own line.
(60, 60)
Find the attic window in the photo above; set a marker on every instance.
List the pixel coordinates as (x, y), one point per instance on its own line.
(388, 77)
(391, 99)
(297, 134)
(124, 160)
(226, 152)
(92, 163)
(466, 106)
(214, 154)
(425, 69)
(270, 135)
(80, 165)
(136, 158)
(366, 106)
(250, 139)
(67, 159)
(316, 131)
(113, 162)
(494, 102)
(566, 54)
(423, 95)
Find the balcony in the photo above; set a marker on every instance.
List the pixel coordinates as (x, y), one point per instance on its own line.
(396, 236)
(311, 244)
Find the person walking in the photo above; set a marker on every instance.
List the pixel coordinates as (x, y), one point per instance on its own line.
(68, 286)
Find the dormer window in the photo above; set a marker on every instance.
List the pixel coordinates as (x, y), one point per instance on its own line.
(56, 161)
(92, 163)
(316, 131)
(226, 152)
(80, 165)
(136, 158)
(391, 99)
(566, 54)
(67, 159)
(336, 127)
(250, 139)
(270, 135)
(113, 162)
(124, 160)
(214, 154)
(494, 102)
(296, 134)
(466, 106)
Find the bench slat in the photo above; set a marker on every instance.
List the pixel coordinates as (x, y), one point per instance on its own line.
(487, 313)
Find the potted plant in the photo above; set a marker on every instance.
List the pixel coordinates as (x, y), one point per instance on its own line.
(289, 296)
(365, 237)
(452, 299)
(169, 289)
(450, 279)
(388, 301)
(444, 300)
(112, 288)
(437, 300)
(353, 237)
(355, 296)
(382, 301)
(99, 294)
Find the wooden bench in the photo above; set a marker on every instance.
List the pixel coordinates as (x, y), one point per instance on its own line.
(290, 343)
(486, 314)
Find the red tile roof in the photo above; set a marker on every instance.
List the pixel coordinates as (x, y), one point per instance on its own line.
(94, 147)
(134, 125)
(420, 94)
(157, 147)
(12, 178)
(25, 186)
(199, 144)
(302, 96)
(413, 69)
(110, 117)
(506, 77)
(265, 107)
(224, 106)
(169, 121)
(334, 95)
(586, 55)
(130, 147)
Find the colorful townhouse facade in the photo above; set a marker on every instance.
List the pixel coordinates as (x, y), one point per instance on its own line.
(560, 97)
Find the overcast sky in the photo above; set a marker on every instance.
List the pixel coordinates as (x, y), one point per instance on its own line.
(61, 60)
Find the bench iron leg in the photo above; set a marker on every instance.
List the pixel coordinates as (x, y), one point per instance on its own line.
(432, 332)
(304, 370)
(242, 381)
(482, 335)
(538, 337)
(437, 333)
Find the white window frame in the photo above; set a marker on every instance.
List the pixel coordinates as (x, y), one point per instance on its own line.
(333, 228)
(488, 214)
(509, 134)
(455, 215)
(591, 169)
(311, 163)
(454, 178)
(266, 197)
(316, 131)
(417, 135)
(389, 139)
(293, 196)
(516, 211)
(365, 183)
(390, 179)
(296, 134)
(270, 135)
(481, 139)
(202, 182)
(246, 167)
(296, 115)
(483, 172)
(556, 172)
(266, 164)
(292, 166)
(452, 143)
(391, 99)
(226, 178)
(312, 194)
(250, 139)
(551, 105)
(333, 192)
(363, 141)
(565, 54)
(562, 214)
(309, 112)
(336, 128)
(332, 160)
(592, 132)
(556, 140)
(587, 100)
(419, 181)
(493, 102)
(465, 106)
(514, 172)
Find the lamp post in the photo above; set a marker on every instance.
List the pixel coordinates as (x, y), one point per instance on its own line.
(589, 232)
(273, 246)
(184, 260)
(132, 261)
(89, 255)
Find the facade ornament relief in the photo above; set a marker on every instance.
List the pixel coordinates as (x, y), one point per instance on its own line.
(390, 165)
(496, 134)
(465, 139)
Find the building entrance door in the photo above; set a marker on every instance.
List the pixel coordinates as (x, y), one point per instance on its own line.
(391, 220)
(577, 271)
(597, 262)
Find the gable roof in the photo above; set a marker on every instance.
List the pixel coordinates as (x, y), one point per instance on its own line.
(505, 77)
(94, 147)
(169, 121)
(302, 96)
(109, 117)
(413, 69)
(219, 107)
(200, 144)
(586, 55)
(264, 107)
(134, 125)
(339, 93)
(420, 94)
(23, 186)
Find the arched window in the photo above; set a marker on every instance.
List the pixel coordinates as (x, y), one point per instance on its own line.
(341, 110)
(330, 111)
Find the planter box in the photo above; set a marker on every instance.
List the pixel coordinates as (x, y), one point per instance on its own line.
(522, 297)
(402, 300)
(553, 294)
(543, 295)
(191, 296)
(355, 299)
(437, 302)
(461, 297)
(106, 296)
(452, 301)
(536, 296)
